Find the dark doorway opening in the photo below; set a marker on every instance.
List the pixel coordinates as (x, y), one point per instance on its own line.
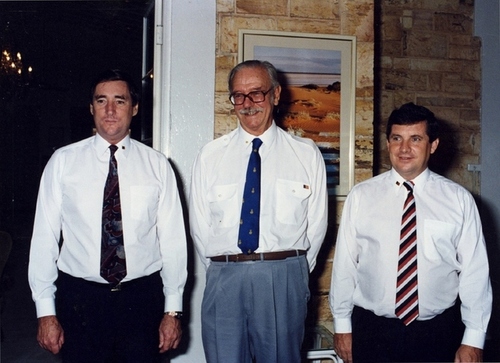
(66, 43)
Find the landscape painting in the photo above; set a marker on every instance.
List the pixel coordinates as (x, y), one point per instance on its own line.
(317, 96)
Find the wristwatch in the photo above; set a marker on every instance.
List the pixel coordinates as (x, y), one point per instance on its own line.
(175, 314)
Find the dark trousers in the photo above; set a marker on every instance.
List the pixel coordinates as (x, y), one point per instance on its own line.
(379, 339)
(107, 326)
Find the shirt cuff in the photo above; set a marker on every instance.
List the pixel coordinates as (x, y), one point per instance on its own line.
(45, 307)
(173, 303)
(342, 325)
(474, 338)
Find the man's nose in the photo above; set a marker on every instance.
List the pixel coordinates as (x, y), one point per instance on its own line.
(248, 102)
(110, 108)
(405, 145)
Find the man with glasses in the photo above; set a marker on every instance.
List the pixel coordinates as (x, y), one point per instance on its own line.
(258, 216)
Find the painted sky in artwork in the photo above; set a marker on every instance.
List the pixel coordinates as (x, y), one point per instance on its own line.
(298, 60)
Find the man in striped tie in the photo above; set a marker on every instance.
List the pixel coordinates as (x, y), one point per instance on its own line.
(410, 278)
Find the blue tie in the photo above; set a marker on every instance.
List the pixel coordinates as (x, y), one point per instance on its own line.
(248, 238)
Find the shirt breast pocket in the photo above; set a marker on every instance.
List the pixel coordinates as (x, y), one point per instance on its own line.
(291, 201)
(225, 209)
(438, 241)
(144, 202)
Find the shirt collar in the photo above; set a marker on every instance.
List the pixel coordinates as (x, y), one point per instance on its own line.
(267, 137)
(102, 146)
(397, 180)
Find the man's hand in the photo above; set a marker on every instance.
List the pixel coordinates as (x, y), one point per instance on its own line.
(342, 344)
(466, 353)
(50, 334)
(170, 333)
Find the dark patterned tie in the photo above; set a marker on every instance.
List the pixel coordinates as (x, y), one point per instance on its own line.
(113, 266)
(248, 237)
(406, 291)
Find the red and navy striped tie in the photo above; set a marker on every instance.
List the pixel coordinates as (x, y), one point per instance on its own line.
(406, 291)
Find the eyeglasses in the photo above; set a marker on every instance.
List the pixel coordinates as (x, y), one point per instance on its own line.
(254, 96)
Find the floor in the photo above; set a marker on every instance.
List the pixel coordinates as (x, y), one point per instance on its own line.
(18, 318)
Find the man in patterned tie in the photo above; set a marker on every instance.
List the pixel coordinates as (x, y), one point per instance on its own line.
(258, 253)
(410, 279)
(108, 263)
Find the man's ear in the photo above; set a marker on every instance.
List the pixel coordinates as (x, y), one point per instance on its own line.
(135, 110)
(277, 94)
(91, 110)
(434, 145)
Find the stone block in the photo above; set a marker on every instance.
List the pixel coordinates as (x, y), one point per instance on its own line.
(400, 63)
(318, 26)
(461, 6)
(423, 20)
(223, 64)
(464, 52)
(318, 9)
(471, 70)
(357, 19)
(364, 64)
(459, 86)
(426, 44)
(225, 6)
(362, 174)
(262, 7)
(453, 23)
(389, 62)
(443, 100)
(434, 80)
(224, 124)
(391, 29)
(222, 105)
(435, 65)
(392, 48)
(229, 27)
(461, 39)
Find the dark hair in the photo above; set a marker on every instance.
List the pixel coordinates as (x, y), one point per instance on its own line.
(265, 65)
(116, 75)
(409, 114)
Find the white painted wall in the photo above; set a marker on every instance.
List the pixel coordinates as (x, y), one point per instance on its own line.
(188, 82)
(486, 23)
(487, 27)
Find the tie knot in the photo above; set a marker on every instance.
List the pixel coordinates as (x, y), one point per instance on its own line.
(256, 143)
(409, 185)
(113, 149)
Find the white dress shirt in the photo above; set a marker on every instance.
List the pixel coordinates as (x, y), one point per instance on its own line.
(451, 252)
(70, 202)
(293, 210)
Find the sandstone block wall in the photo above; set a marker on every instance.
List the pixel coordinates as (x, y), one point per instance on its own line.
(421, 51)
(342, 17)
(429, 56)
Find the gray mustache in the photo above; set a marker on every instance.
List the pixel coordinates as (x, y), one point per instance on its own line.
(246, 111)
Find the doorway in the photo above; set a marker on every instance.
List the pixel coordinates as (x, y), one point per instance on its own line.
(66, 44)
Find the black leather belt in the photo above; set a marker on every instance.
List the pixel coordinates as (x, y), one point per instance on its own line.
(111, 287)
(264, 256)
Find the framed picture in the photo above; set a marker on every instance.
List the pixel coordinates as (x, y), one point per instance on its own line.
(317, 75)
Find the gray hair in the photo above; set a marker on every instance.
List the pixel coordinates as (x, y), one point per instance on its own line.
(265, 65)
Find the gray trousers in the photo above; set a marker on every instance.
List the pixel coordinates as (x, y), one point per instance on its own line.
(255, 311)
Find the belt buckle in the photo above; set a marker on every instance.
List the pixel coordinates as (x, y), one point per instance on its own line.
(117, 287)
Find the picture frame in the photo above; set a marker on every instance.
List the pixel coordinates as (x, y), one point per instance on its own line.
(318, 78)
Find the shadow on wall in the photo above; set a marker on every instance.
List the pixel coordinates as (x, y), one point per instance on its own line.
(492, 346)
(447, 152)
